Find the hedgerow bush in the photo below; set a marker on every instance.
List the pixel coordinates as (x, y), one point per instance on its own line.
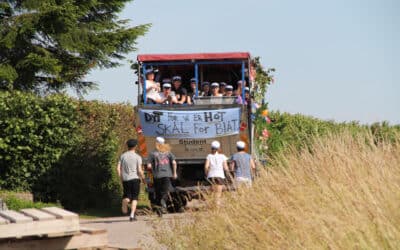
(296, 131)
(35, 133)
(87, 175)
(62, 149)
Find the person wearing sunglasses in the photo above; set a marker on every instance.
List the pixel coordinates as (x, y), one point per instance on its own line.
(215, 90)
(228, 90)
(166, 95)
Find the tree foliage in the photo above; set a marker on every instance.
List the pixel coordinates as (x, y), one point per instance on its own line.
(48, 45)
(264, 77)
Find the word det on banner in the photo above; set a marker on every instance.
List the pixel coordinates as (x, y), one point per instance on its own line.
(190, 124)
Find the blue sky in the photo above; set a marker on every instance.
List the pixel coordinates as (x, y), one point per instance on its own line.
(336, 60)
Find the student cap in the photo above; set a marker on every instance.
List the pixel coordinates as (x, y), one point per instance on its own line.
(215, 145)
(160, 140)
(240, 144)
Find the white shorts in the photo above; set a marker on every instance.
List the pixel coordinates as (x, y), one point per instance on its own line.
(243, 181)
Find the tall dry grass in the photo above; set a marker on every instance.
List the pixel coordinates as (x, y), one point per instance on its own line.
(343, 194)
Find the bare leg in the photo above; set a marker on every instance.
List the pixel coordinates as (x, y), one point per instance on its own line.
(133, 208)
(218, 193)
(125, 203)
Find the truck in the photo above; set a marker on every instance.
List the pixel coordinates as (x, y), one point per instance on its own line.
(190, 129)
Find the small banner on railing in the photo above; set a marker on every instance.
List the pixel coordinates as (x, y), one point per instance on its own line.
(190, 123)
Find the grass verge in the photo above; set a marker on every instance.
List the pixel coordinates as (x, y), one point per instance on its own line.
(341, 193)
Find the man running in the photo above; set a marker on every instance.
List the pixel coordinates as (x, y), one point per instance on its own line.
(130, 171)
(243, 165)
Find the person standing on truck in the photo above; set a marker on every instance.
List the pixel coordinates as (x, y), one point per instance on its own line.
(152, 88)
(205, 89)
(215, 90)
(222, 86)
(180, 92)
(214, 169)
(243, 165)
(228, 90)
(192, 91)
(239, 99)
(163, 165)
(166, 96)
(130, 171)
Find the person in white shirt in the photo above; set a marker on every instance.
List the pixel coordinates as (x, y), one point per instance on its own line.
(152, 88)
(215, 89)
(166, 95)
(214, 169)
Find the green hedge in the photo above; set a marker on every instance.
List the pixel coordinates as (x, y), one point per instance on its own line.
(35, 133)
(87, 176)
(298, 131)
(61, 149)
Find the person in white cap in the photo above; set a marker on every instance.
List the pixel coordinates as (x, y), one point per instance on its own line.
(215, 89)
(192, 91)
(166, 96)
(162, 163)
(152, 88)
(228, 90)
(214, 169)
(243, 165)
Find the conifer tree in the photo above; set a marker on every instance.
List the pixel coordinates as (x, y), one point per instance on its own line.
(48, 45)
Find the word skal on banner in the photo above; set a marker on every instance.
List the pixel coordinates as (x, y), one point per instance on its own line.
(190, 124)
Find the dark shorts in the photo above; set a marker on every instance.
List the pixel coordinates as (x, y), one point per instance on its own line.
(216, 180)
(131, 189)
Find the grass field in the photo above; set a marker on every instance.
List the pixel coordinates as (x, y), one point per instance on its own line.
(343, 193)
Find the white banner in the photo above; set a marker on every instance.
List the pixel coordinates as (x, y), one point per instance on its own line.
(191, 123)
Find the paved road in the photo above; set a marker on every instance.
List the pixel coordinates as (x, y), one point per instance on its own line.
(125, 234)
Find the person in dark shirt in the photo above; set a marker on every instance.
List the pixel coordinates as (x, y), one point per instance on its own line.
(192, 91)
(222, 86)
(162, 163)
(228, 90)
(180, 92)
(205, 89)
